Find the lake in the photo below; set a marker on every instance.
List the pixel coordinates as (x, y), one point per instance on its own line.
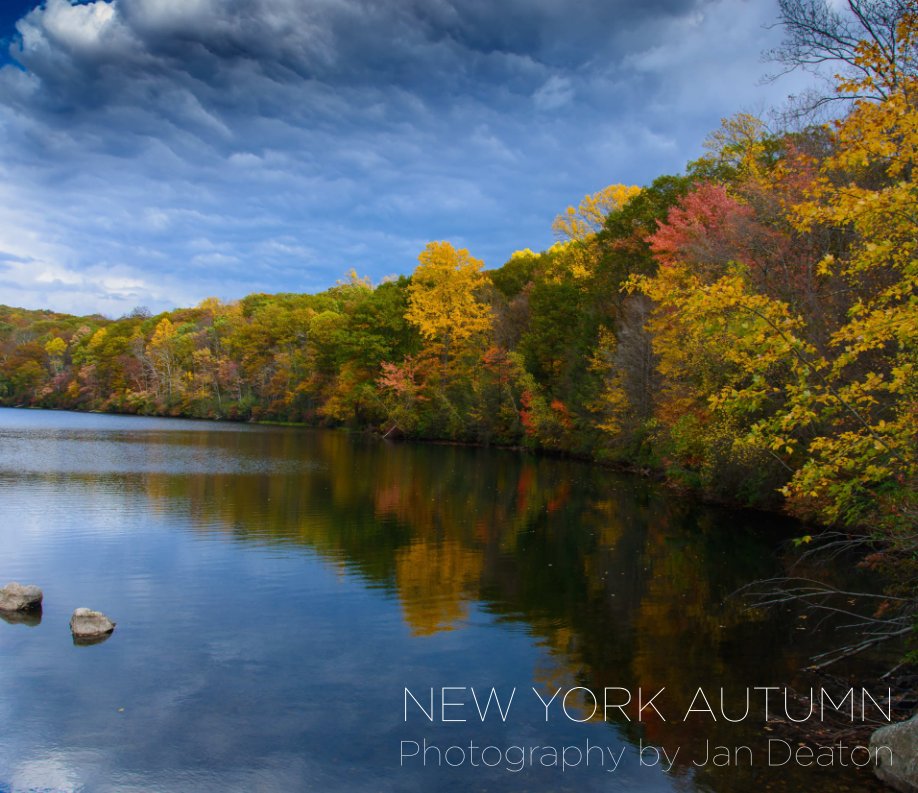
(277, 589)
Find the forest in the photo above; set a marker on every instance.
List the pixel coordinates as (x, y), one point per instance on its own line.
(747, 329)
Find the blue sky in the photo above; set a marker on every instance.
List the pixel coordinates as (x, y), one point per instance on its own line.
(157, 152)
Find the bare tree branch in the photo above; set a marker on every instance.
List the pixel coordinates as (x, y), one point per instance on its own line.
(817, 35)
(892, 618)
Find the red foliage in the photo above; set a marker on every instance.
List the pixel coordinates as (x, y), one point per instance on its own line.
(703, 228)
(562, 413)
(526, 417)
(398, 377)
(709, 228)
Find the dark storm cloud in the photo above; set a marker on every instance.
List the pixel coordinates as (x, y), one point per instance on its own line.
(159, 151)
(100, 54)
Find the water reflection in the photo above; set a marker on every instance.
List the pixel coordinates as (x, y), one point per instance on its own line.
(613, 583)
(90, 641)
(30, 618)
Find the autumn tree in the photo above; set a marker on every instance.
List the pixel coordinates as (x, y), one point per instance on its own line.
(162, 358)
(443, 299)
(55, 348)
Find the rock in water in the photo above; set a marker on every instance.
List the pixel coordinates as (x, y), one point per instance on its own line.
(89, 624)
(902, 739)
(16, 597)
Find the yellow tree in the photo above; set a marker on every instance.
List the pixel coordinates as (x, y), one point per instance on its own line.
(56, 347)
(444, 300)
(161, 357)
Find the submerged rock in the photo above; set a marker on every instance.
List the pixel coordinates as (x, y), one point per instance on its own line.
(16, 597)
(897, 767)
(90, 626)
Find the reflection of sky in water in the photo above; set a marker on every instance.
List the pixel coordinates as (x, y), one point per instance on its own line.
(69, 443)
(275, 590)
(68, 455)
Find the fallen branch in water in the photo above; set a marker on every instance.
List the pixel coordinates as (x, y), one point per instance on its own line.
(893, 617)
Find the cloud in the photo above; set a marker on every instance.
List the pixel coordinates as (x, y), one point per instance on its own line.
(554, 93)
(302, 139)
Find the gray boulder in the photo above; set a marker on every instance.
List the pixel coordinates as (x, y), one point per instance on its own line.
(16, 597)
(897, 767)
(87, 624)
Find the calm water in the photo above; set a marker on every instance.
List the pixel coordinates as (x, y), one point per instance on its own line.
(277, 589)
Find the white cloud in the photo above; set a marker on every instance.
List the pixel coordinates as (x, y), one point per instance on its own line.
(83, 30)
(83, 26)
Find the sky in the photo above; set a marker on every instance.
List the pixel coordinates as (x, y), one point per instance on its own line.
(158, 152)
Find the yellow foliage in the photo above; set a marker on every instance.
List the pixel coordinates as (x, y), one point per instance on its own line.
(867, 400)
(738, 143)
(585, 220)
(163, 335)
(56, 347)
(97, 339)
(611, 405)
(443, 301)
(211, 304)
